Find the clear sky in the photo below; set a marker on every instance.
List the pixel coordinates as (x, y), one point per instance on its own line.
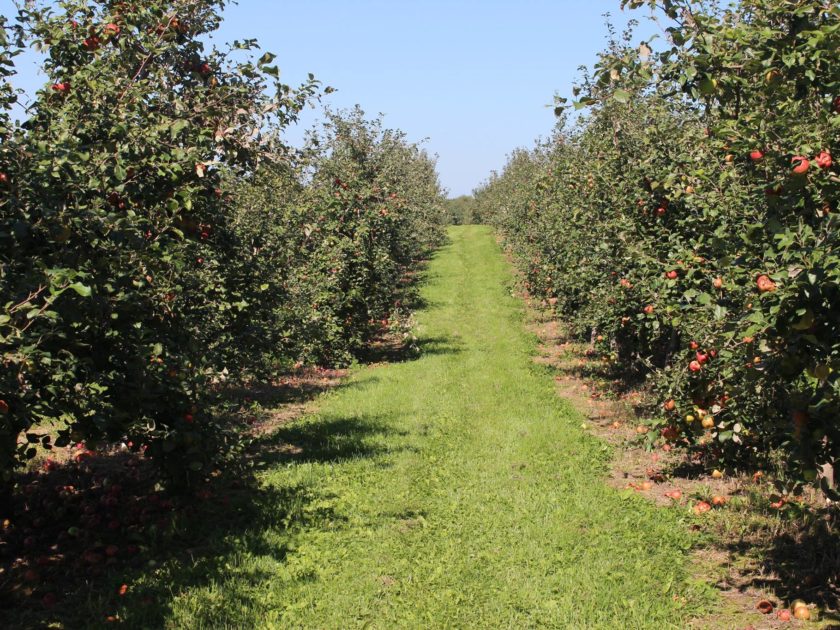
(472, 76)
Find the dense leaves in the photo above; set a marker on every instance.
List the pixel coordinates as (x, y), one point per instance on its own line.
(687, 224)
(157, 238)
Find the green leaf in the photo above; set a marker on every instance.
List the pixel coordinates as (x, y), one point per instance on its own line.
(622, 96)
(81, 289)
(177, 127)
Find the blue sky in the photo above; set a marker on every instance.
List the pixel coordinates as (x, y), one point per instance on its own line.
(474, 77)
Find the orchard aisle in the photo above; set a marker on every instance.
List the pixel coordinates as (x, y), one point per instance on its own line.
(454, 490)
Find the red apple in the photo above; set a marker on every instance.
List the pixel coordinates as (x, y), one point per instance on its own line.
(765, 284)
(695, 366)
(756, 155)
(800, 164)
(701, 507)
(91, 43)
(671, 275)
(765, 607)
(670, 433)
(823, 160)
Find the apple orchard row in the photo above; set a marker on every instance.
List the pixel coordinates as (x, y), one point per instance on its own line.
(686, 224)
(159, 241)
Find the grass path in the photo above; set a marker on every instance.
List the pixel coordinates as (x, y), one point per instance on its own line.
(451, 491)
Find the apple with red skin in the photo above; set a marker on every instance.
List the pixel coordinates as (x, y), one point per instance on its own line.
(671, 275)
(701, 507)
(670, 433)
(801, 164)
(693, 345)
(765, 284)
(91, 43)
(717, 283)
(648, 310)
(695, 366)
(61, 87)
(701, 357)
(756, 155)
(823, 160)
(112, 30)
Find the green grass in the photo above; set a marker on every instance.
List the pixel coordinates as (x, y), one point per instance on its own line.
(451, 491)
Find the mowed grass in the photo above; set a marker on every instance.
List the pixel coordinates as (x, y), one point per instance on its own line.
(451, 491)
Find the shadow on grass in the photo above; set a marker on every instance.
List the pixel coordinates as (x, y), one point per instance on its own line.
(234, 525)
(802, 562)
(67, 552)
(324, 440)
(248, 520)
(400, 353)
(308, 383)
(296, 387)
